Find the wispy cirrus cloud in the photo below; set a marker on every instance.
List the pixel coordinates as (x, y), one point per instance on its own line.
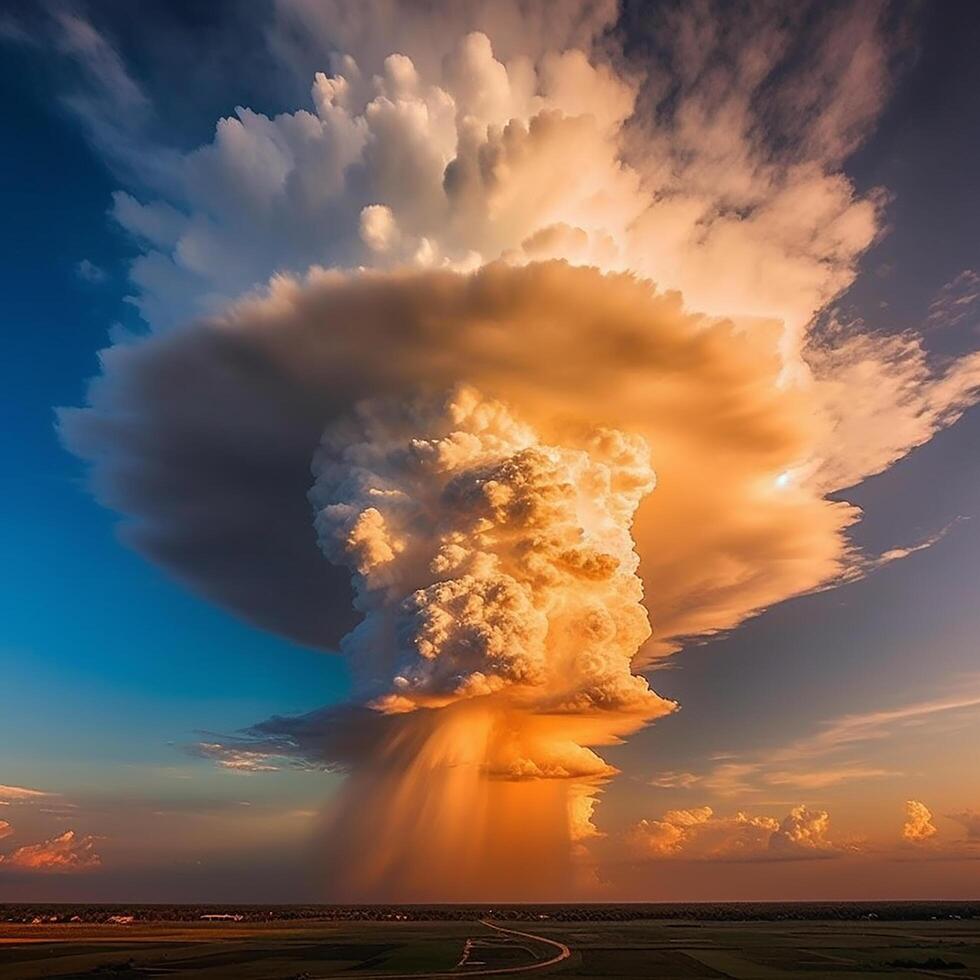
(96, 56)
(957, 302)
(20, 794)
(762, 773)
(829, 757)
(234, 758)
(864, 565)
(675, 780)
(872, 725)
(106, 97)
(822, 778)
(247, 754)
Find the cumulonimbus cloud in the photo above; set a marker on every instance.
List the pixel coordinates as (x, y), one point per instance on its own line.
(524, 291)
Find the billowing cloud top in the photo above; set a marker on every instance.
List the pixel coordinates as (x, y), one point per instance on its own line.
(711, 168)
(918, 825)
(700, 834)
(484, 559)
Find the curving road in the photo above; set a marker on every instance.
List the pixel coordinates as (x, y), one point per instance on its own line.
(563, 953)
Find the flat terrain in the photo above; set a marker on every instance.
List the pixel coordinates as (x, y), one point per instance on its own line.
(649, 948)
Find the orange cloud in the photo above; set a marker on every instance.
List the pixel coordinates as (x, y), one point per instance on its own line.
(699, 834)
(68, 852)
(20, 794)
(918, 825)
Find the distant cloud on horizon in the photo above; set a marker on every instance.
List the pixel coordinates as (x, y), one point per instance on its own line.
(66, 853)
(700, 834)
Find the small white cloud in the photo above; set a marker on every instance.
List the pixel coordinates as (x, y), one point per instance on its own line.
(89, 272)
(235, 758)
(379, 230)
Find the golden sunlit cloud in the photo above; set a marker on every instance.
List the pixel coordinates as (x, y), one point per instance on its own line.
(699, 834)
(497, 578)
(918, 825)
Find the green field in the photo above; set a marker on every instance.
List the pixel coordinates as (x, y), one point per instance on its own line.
(643, 948)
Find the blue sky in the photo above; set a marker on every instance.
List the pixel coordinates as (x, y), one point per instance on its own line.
(107, 661)
(110, 667)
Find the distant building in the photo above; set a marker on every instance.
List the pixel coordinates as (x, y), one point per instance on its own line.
(223, 917)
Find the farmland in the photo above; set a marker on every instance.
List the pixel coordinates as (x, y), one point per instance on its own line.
(769, 942)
